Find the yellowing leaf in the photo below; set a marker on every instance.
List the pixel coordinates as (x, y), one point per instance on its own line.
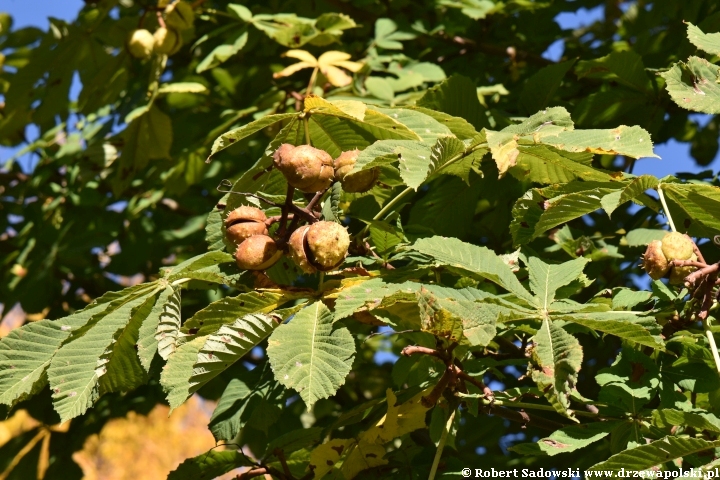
(362, 456)
(329, 63)
(324, 457)
(401, 419)
(303, 56)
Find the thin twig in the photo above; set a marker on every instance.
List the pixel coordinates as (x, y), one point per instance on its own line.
(430, 400)
(278, 452)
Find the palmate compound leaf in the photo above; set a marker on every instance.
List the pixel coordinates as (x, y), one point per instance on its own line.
(311, 356)
(693, 85)
(200, 360)
(471, 259)
(656, 453)
(568, 439)
(556, 360)
(26, 352)
(76, 369)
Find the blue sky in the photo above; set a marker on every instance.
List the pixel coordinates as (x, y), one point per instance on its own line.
(675, 156)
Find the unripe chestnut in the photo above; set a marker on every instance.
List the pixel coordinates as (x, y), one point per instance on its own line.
(676, 246)
(258, 252)
(654, 261)
(678, 274)
(141, 43)
(320, 246)
(180, 15)
(306, 168)
(167, 41)
(244, 222)
(357, 182)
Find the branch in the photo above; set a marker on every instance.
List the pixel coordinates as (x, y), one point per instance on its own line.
(437, 391)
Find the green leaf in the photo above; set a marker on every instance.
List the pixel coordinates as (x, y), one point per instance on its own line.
(182, 87)
(251, 399)
(426, 127)
(222, 53)
(709, 42)
(643, 330)
(210, 464)
(629, 383)
(385, 237)
(557, 357)
(120, 362)
(475, 260)
(228, 309)
(368, 293)
(695, 207)
(545, 279)
(229, 138)
(457, 97)
(311, 356)
(77, 367)
(387, 36)
(168, 327)
(26, 352)
(197, 362)
(147, 137)
(147, 343)
(656, 453)
(540, 89)
(693, 85)
(458, 126)
(625, 67)
(665, 418)
(631, 142)
(546, 165)
(380, 88)
(643, 236)
(295, 440)
(567, 439)
(331, 206)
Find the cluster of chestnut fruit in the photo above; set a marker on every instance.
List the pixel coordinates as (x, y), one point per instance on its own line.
(167, 39)
(318, 246)
(658, 258)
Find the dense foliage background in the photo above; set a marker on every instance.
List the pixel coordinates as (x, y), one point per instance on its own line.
(120, 190)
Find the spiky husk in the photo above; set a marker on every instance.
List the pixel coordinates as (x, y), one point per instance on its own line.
(244, 222)
(329, 243)
(654, 261)
(258, 252)
(306, 168)
(357, 182)
(297, 250)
